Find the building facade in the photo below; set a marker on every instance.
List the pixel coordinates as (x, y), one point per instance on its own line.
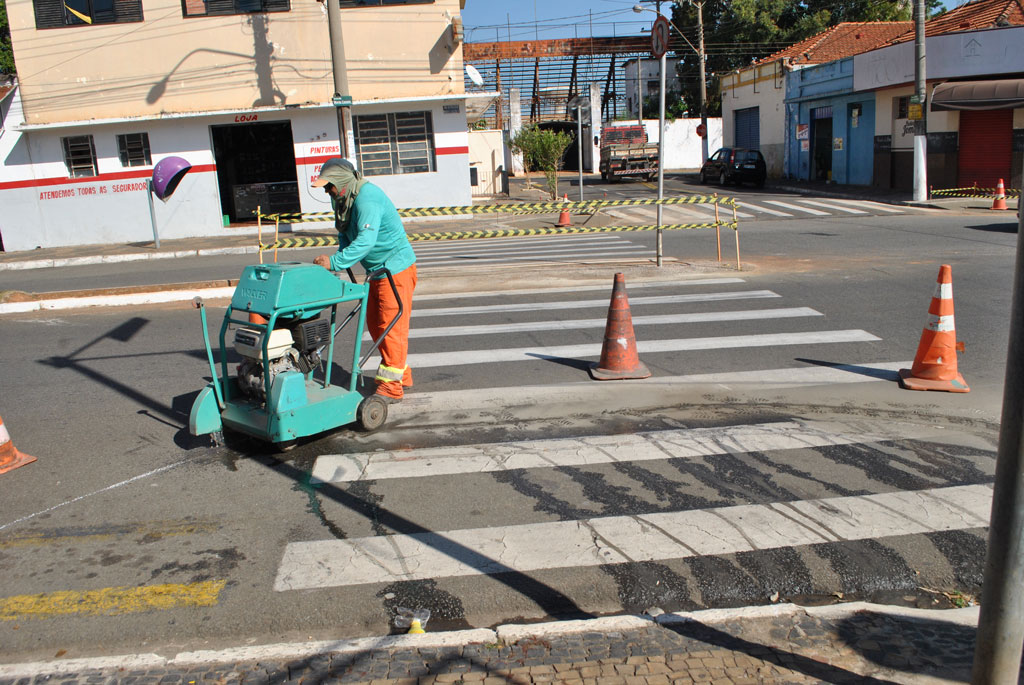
(242, 89)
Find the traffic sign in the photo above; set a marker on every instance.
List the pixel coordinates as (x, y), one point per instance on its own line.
(702, 130)
(659, 37)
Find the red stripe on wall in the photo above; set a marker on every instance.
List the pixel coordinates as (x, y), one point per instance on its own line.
(101, 178)
(464, 150)
(319, 159)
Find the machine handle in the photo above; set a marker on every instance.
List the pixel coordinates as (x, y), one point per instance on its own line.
(401, 310)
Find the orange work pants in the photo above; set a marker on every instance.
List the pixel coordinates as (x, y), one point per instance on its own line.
(381, 309)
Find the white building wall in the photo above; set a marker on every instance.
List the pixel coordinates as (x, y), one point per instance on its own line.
(763, 87)
(43, 207)
(682, 144)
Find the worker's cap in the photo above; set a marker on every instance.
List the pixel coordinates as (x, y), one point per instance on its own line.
(330, 167)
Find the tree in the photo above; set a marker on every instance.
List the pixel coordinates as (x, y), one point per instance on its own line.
(541, 149)
(6, 53)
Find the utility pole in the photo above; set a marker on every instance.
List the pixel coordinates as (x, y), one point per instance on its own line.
(920, 95)
(703, 80)
(341, 100)
(659, 247)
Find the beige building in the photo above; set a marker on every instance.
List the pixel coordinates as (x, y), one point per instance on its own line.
(241, 89)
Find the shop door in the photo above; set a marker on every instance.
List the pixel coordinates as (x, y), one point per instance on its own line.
(821, 144)
(748, 128)
(255, 169)
(986, 142)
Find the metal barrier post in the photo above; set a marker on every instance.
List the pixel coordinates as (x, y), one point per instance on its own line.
(277, 227)
(259, 232)
(736, 230)
(718, 228)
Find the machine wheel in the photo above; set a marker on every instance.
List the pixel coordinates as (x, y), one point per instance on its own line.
(604, 175)
(372, 413)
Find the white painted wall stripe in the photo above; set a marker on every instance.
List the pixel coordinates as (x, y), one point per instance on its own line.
(569, 325)
(619, 539)
(593, 350)
(583, 304)
(825, 205)
(647, 446)
(797, 208)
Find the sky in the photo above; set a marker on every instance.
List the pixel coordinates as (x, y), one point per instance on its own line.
(490, 20)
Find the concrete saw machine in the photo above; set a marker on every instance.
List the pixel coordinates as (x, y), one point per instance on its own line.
(285, 320)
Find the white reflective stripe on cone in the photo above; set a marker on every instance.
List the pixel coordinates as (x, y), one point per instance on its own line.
(4, 435)
(941, 324)
(943, 291)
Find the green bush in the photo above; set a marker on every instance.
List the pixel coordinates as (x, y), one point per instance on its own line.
(543, 150)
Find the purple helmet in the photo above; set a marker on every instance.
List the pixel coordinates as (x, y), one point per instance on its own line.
(167, 173)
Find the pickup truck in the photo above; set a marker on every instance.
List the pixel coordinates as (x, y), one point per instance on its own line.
(626, 152)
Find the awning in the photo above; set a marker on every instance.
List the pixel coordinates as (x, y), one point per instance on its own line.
(1002, 94)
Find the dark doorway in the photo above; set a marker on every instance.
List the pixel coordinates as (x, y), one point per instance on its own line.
(255, 169)
(821, 150)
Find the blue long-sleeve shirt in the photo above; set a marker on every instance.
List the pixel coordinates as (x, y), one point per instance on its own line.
(374, 236)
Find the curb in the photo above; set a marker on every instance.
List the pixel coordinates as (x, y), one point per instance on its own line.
(508, 633)
(115, 258)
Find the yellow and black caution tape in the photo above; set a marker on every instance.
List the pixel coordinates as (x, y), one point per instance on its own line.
(584, 207)
(973, 191)
(327, 241)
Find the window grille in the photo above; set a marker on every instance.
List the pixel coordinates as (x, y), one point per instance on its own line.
(133, 149)
(381, 3)
(398, 143)
(51, 14)
(80, 156)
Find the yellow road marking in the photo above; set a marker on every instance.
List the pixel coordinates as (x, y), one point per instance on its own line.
(111, 601)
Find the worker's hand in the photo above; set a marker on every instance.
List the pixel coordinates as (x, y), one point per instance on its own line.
(323, 260)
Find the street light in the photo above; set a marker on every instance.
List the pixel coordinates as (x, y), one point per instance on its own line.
(701, 60)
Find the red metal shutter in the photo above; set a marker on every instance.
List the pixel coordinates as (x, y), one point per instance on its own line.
(986, 142)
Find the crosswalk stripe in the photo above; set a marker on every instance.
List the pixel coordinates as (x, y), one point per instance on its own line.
(766, 210)
(577, 289)
(878, 206)
(516, 354)
(584, 239)
(786, 205)
(627, 250)
(556, 453)
(621, 539)
(826, 205)
(584, 304)
(569, 325)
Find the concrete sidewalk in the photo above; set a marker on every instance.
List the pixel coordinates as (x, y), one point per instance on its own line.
(784, 643)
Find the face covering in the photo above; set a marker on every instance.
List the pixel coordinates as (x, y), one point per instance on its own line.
(343, 176)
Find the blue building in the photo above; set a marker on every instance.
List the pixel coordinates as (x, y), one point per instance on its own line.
(829, 127)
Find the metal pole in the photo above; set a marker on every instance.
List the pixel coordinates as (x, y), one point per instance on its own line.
(340, 72)
(703, 82)
(1000, 634)
(152, 212)
(579, 145)
(661, 157)
(639, 96)
(920, 90)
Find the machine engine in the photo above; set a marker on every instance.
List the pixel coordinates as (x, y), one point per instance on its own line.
(293, 346)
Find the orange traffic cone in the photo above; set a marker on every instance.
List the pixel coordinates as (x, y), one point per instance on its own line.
(564, 219)
(257, 318)
(618, 353)
(935, 363)
(1000, 200)
(10, 458)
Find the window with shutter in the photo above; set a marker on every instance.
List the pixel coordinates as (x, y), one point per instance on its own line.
(80, 156)
(213, 8)
(51, 14)
(133, 149)
(381, 3)
(399, 143)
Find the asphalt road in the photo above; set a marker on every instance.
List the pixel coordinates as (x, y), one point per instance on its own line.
(122, 497)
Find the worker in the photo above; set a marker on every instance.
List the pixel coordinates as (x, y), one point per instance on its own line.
(371, 232)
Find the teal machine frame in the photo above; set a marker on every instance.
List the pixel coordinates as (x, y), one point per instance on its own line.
(297, 405)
